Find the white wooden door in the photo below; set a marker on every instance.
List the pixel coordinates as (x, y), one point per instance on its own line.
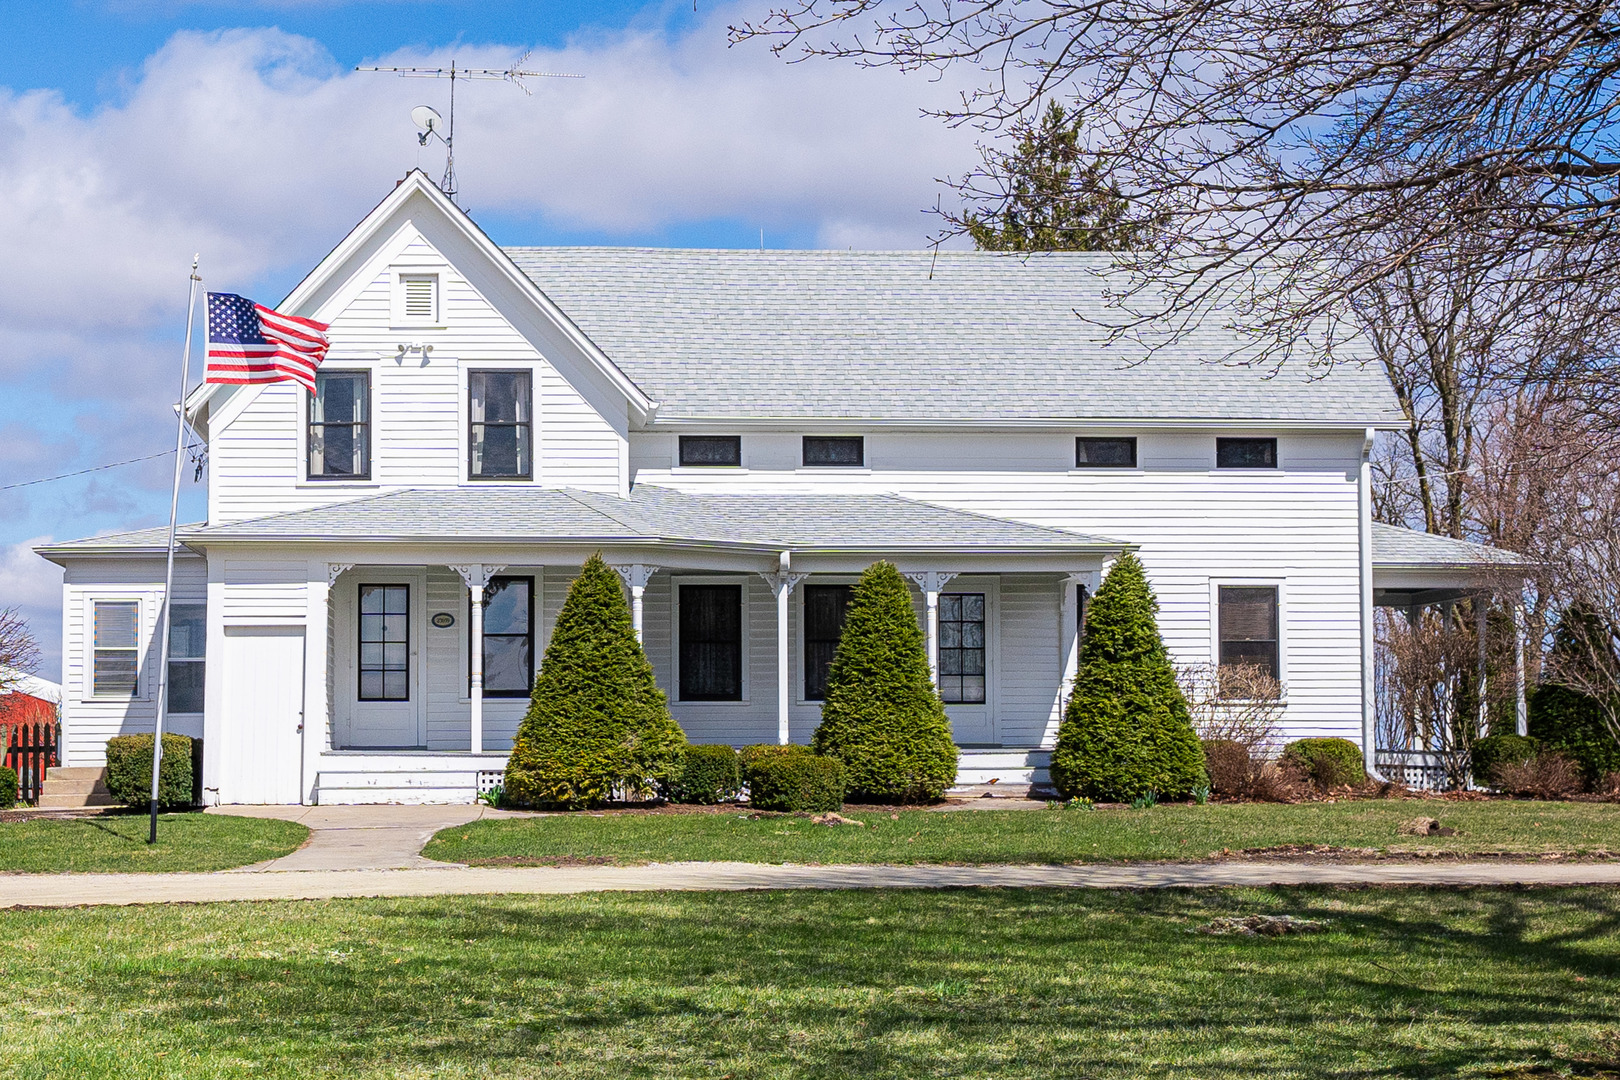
(381, 686)
(264, 714)
(967, 660)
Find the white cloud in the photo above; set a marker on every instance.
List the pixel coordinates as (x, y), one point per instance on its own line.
(34, 587)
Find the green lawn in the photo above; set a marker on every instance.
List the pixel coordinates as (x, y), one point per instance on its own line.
(965, 983)
(117, 843)
(1031, 836)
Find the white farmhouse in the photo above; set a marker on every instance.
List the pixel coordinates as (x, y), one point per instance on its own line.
(740, 433)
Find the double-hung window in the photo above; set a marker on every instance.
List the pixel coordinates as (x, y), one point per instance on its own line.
(340, 426)
(824, 609)
(509, 637)
(501, 425)
(115, 667)
(1248, 627)
(961, 648)
(711, 642)
(385, 643)
(188, 642)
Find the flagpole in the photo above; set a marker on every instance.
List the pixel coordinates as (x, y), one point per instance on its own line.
(168, 570)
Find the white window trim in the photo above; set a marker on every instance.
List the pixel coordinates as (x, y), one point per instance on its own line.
(675, 636)
(1278, 583)
(371, 365)
(399, 320)
(464, 369)
(143, 640)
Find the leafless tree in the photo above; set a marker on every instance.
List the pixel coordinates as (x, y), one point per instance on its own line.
(1294, 154)
(1425, 682)
(19, 654)
(1241, 703)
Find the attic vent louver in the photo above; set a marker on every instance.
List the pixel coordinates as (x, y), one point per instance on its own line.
(421, 298)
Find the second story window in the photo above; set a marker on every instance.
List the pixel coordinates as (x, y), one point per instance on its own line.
(706, 450)
(501, 436)
(846, 451)
(1245, 453)
(1107, 453)
(340, 426)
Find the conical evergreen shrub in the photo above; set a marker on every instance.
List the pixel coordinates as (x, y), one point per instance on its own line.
(597, 720)
(1126, 731)
(882, 717)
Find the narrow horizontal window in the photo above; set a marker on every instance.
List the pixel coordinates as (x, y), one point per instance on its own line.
(709, 450)
(501, 443)
(837, 451)
(1109, 453)
(115, 669)
(1248, 629)
(1245, 453)
(961, 648)
(340, 426)
(385, 643)
(508, 637)
(824, 609)
(711, 642)
(188, 644)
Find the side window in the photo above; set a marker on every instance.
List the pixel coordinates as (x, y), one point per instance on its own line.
(188, 644)
(340, 426)
(711, 450)
(115, 668)
(711, 642)
(835, 451)
(500, 443)
(824, 609)
(385, 643)
(1248, 628)
(1245, 453)
(509, 637)
(961, 648)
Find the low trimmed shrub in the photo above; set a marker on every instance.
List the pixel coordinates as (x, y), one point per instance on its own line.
(8, 787)
(1326, 763)
(129, 770)
(1546, 776)
(708, 773)
(1495, 750)
(748, 756)
(793, 782)
(1229, 766)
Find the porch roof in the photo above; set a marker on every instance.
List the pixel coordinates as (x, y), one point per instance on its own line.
(1395, 548)
(764, 522)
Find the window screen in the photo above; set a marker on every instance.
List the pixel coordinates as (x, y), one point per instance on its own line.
(1090, 453)
(509, 637)
(824, 609)
(711, 642)
(385, 643)
(711, 450)
(501, 443)
(961, 648)
(115, 670)
(1245, 453)
(340, 426)
(834, 451)
(1248, 621)
(188, 643)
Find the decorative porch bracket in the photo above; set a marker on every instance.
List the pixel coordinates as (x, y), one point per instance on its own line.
(932, 582)
(782, 585)
(636, 576)
(476, 577)
(334, 570)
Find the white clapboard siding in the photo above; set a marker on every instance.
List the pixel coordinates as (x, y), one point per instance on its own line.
(419, 435)
(264, 592)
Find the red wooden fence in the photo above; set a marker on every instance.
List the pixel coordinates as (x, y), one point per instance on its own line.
(30, 739)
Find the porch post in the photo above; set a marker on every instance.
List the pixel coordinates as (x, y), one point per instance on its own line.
(1069, 631)
(932, 582)
(1479, 634)
(636, 575)
(476, 576)
(1521, 707)
(782, 583)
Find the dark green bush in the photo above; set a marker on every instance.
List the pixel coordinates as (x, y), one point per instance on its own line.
(1326, 763)
(1569, 723)
(1126, 731)
(597, 723)
(129, 770)
(882, 717)
(708, 774)
(748, 756)
(8, 787)
(1494, 750)
(793, 782)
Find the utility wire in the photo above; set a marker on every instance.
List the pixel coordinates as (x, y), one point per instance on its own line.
(93, 468)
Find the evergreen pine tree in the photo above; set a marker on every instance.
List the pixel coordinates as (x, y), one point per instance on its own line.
(1126, 731)
(882, 717)
(597, 720)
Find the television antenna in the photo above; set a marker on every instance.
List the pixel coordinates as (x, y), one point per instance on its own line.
(428, 121)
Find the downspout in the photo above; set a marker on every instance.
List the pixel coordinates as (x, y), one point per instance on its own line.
(1369, 699)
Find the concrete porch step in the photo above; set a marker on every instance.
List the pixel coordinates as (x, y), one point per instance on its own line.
(67, 788)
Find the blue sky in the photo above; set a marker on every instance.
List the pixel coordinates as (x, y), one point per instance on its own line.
(137, 132)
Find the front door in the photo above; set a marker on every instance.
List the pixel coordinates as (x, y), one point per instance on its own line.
(964, 664)
(382, 681)
(264, 714)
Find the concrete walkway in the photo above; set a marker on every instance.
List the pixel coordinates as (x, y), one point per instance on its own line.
(361, 837)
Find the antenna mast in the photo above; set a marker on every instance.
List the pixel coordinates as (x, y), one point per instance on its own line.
(514, 75)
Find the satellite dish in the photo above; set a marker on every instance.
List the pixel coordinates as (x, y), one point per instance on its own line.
(427, 118)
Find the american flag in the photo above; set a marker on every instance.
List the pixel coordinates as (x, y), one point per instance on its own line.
(250, 343)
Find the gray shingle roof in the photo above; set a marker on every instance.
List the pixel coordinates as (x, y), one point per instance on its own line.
(651, 514)
(901, 336)
(1397, 548)
(157, 538)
